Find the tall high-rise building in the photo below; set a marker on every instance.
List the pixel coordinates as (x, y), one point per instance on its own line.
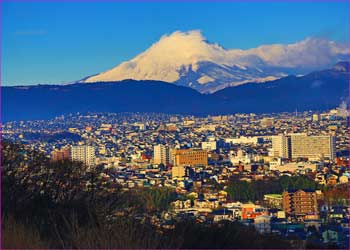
(303, 146)
(281, 145)
(84, 154)
(192, 157)
(312, 147)
(161, 154)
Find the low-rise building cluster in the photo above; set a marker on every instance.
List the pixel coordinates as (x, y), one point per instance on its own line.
(198, 157)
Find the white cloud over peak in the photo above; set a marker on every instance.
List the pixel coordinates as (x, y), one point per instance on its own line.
(308, 53)
(184, 57)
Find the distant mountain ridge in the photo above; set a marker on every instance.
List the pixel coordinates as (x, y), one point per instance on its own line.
(188, 59)
(315, 91)
(318, 90)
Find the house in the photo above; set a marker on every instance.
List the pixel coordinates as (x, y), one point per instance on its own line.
(273, 200)
(250, 211)
(210, 203)
(178, 204)
(222, 214)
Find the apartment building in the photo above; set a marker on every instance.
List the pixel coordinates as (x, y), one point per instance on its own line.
(300, 203)
(161, 154)
(312, 147)
(84, 154)
(281, 145)
(62, 154)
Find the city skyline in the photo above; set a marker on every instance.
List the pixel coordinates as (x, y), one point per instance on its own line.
(175, 125)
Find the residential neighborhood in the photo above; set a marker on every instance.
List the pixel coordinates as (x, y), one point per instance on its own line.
(284, 173)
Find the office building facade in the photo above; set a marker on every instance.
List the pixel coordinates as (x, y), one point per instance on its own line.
(191, 157)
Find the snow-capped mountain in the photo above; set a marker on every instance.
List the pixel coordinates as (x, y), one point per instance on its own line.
(188, 59)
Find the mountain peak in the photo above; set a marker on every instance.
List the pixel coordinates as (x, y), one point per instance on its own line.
(188, 59)
(183, 48)
(166, 58)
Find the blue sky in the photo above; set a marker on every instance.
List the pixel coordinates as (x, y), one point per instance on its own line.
(54, 42)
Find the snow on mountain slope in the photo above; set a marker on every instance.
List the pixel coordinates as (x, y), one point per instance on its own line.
(187, 59)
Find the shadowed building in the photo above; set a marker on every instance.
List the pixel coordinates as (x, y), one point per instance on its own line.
(300, 203)
(62, 154)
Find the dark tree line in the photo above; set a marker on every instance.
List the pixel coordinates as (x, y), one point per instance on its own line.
(62, 205)
(255, 190)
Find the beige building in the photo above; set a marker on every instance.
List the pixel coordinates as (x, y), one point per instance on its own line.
(192, 157)
(312, 147)
(281, 146)
(267, 122)
(209, 145)
(315, 117)
(161, 154)
(178, 172)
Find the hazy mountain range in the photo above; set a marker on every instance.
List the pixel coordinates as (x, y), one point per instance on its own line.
(318, 90)
(188, 59)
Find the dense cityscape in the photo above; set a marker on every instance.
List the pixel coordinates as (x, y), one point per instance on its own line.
(214, 165)
(175, 125)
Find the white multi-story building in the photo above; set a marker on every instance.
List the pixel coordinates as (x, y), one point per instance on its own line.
(188, 122)
(240, 157)
(84, 154)
(244, 140)
(210, 144)
(161, 154)
(312, 147)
